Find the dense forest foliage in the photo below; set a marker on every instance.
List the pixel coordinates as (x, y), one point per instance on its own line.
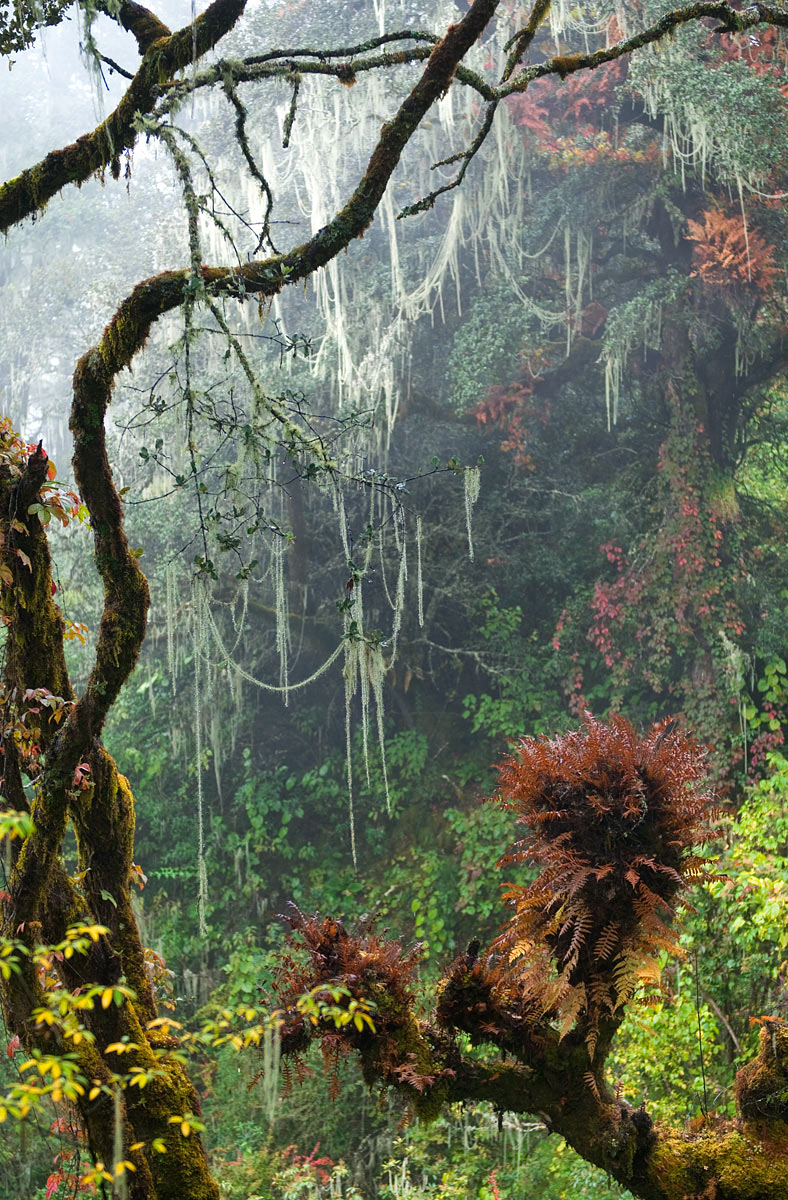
(558, 398)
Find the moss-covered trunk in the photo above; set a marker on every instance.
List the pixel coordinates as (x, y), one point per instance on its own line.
(47, 734)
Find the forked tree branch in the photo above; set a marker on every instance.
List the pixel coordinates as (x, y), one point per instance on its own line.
(30, 192)
(539, 1073)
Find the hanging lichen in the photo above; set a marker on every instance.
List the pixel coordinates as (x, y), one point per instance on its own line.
(689, 103)
(472, 482)
(200, 675)
(282, 621)
(351, 670)
(364, 364)
(376, 670)
(636, 323)
(170, 604)
(399, 596)
(272, 1046)
(419, 577)
(226, 661)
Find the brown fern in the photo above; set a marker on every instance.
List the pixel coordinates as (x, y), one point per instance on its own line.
(726, 252)
(611, 818)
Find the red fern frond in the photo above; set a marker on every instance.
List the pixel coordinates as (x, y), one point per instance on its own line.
(589, 1079)
(607, 941)
(612, 818)
(726, 252)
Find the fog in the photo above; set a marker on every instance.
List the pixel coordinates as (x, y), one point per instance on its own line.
(513, 457)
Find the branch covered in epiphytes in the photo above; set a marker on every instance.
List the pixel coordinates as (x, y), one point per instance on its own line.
(425, 1063)
(355, 991)
(519, 44)
(611, 818)
(290, 66)
(30, 192)
(731, 20)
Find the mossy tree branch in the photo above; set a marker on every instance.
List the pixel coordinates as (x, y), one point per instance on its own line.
(30, 192)
(539, 1073)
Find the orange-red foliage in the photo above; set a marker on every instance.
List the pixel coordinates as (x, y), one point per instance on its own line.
(584, 97)
(611, 819)
(362, 961)
(727, 253)
(765, 53)
(334, 954)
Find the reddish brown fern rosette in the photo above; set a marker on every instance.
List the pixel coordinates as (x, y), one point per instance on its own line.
(611, 820)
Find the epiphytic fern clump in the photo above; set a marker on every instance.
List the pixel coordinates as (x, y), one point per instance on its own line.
(611, 820)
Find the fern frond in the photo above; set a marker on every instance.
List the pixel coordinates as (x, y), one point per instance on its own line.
(651, 999)
(649, 971)
(582, 925)
(625, 977)
(574, 1004)
(600, 997)
(606, 942)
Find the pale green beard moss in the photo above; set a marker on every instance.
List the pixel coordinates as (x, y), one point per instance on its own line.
(282, 622)
(272, 1044)
(170, 605)
(419, 579)
(199, 611)
(472, 481)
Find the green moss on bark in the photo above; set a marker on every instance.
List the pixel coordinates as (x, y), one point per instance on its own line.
(720, 1162)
